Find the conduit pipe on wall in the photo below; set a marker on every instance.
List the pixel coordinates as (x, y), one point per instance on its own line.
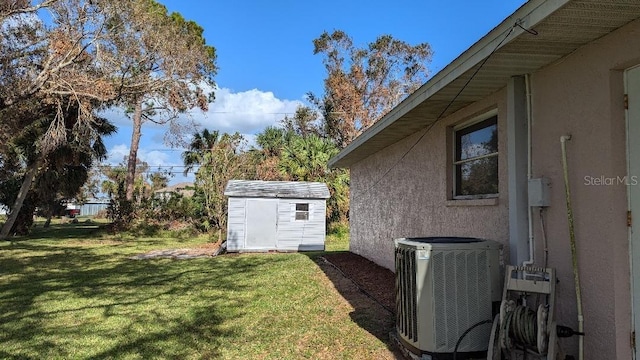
(527, 86)
(572, 238)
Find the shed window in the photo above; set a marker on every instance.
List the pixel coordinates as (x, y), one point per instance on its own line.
(302, 211)
(476, 160)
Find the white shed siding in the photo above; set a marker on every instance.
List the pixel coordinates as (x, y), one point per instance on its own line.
(236, 224)
(249, 225)
(300, 234)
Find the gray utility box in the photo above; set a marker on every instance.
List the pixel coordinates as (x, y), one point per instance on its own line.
(539, 192)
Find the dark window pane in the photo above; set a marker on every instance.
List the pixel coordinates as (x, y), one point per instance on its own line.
(302, 207)
(477, 140)
(302, 215)
(477, 177)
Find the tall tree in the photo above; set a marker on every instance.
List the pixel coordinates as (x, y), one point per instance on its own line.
(165, 68)
(52, 61)
(51, 67)
(63, 169)
(364, 83)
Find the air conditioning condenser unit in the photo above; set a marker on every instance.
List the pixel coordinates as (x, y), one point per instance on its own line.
(444, 286)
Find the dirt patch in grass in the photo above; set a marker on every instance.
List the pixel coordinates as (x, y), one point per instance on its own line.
(374, 280)
(197, 251)
(95, 242)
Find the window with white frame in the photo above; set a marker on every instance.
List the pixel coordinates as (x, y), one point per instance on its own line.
(302, 211)
(475, 163)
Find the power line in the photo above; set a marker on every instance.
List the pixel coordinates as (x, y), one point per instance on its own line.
(250, 113)
(446, 108)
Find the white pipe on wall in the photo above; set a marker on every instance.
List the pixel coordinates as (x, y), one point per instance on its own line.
(572, 238)
(527, 81)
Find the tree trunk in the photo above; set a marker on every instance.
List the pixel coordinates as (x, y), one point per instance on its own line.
(133, 151)
(22, 194)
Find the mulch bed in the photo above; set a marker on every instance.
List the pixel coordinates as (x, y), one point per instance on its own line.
(377, 281)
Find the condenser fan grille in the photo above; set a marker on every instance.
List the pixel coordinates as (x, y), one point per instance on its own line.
(406, 297)
(442, 289)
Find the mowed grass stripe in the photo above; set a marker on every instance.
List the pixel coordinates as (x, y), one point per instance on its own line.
(76, 294)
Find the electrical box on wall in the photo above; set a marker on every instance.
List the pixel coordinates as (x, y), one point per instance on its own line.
(539, 192)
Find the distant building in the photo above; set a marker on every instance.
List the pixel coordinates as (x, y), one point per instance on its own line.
(94, 206)
(184, 188)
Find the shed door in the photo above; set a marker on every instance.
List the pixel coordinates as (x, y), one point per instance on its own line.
(632, 82)
(262, 224)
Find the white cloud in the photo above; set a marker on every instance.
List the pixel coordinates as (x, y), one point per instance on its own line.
(247, 112)
(155, 157)
(117, 154)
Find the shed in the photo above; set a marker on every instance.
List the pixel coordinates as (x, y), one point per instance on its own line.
(276, 215)
(94, 206)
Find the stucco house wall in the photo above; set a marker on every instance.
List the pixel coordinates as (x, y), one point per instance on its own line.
(580, 95)
(583, 95)
(411, 200)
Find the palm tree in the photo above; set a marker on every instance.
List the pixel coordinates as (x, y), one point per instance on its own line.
(201, 144)
(306, 158)
(68, 168)
(271, 140)
(64, 166)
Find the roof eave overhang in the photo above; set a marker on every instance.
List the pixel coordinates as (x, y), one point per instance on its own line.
(434, 99)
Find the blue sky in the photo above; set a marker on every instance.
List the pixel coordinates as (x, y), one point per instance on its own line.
(266, 61)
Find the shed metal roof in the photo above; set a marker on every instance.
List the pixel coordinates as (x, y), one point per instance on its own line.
(562, 26)
(277, 189)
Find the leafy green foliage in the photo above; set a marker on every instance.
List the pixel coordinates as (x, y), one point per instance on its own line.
(298, 151)
(306, 158)
(219, 158)
(120, 209)
(57, 174)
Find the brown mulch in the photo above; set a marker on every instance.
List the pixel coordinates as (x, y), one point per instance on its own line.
(376, 281)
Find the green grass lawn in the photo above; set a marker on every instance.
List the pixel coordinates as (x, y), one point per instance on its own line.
(72, 292)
